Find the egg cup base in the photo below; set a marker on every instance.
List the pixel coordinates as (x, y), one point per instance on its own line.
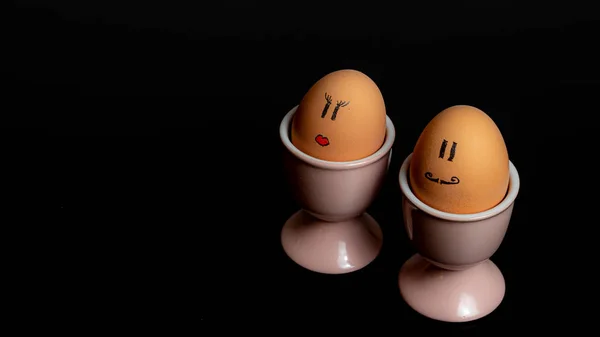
(451, 295)
(331, 247)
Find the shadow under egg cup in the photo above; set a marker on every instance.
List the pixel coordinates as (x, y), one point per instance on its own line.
(332, 234)
(451, 278)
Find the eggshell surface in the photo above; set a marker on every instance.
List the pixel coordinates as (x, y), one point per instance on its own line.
(460, 162)
(341, 118)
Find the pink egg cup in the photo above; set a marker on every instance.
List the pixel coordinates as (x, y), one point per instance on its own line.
(332, 234)
(451, 279)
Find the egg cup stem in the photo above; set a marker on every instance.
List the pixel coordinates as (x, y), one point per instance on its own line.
(451, 295)
(331, 247)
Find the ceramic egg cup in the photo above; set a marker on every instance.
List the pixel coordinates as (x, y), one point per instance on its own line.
(451, 278)
(332, 234)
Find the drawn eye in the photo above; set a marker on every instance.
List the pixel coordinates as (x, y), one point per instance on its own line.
(340, 104)
(452, 151)
(443, 150)
(327, 104)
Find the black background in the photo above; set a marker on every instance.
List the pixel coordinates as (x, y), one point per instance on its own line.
(178, 219)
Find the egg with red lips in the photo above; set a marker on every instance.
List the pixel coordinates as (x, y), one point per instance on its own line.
(341, 118)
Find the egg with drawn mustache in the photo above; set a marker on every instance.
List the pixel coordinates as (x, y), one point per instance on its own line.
(460, 162)
(341, 118)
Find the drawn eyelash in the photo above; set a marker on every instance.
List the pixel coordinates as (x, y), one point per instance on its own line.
(337, 107)
(328, 99)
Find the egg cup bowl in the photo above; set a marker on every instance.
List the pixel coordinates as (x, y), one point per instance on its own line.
(451, 278)
(332, 234)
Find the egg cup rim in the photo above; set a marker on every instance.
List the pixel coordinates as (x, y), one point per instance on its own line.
(384, 150)
(509, 198)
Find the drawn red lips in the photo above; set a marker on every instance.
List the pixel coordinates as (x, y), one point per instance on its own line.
(322, 140)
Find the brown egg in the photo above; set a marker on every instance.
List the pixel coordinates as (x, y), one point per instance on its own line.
(460, 162)
(341, 118)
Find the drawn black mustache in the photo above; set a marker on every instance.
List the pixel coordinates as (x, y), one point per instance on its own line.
(453, 181)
